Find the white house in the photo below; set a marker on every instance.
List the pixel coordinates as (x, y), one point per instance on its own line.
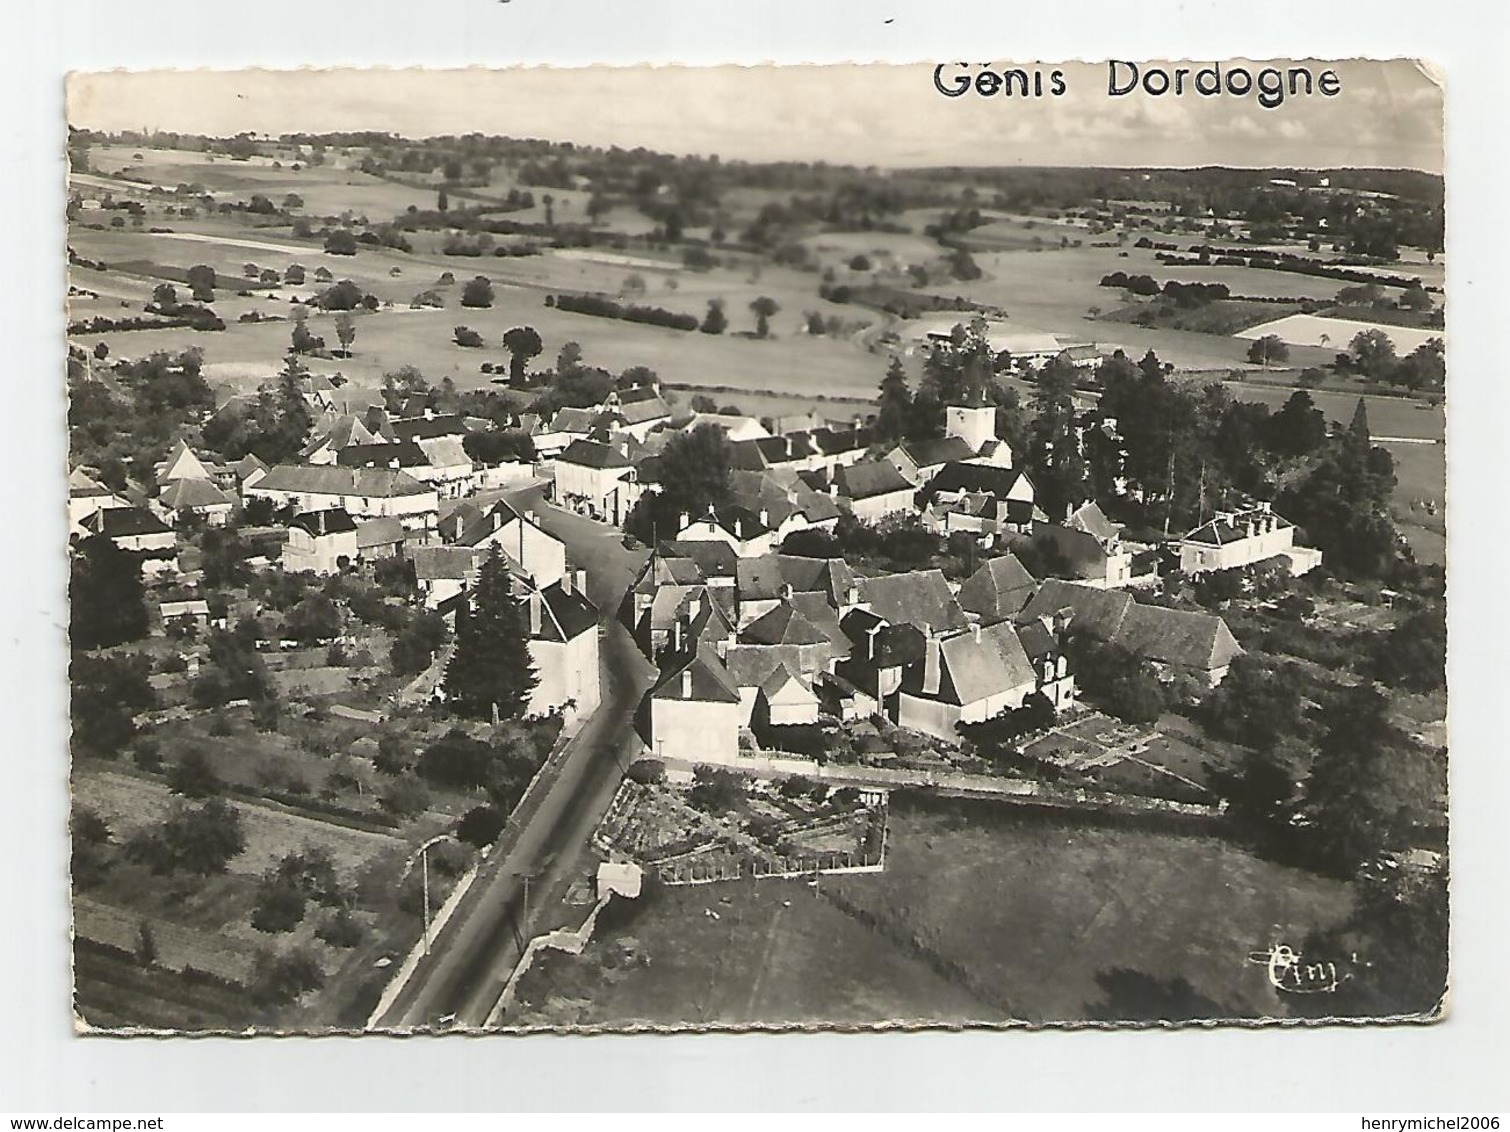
(596, 480)
(324, 542)
(363, 493)
(1241, 538)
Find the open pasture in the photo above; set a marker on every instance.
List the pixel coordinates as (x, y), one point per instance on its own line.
(1335, 333)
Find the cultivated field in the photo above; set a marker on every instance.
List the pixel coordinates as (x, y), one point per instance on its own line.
(1335, 333)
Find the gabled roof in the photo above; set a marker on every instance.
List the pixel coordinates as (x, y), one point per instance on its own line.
(750, 666)
(925, 453)
(320, 523)
(920, 598)
(591, 454)
(710, 682)
(248, 464)
(444, 451)
(343, 432)
(785, 684)
(869, 479)
(83, 486)
(662, 570)
(1089, 517)
(956, 477)
(998, 590)
(193, 494)
(379, 532)
(714, 558)
(834, 441)
(123, 522)
(1174, 636)
(376, 483)
(404, 454)
(976, 664)
(816, 609)
(440, 563)
(764, 577)
(570, 613)
(420, 428)
(1229, 529)
(1096, 611)
(1084, 551)
(783, 625)
(574, 420)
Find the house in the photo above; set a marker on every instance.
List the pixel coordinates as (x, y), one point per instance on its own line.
(638, 409)
(442, 462)
(183, 464)
(789, 502)
(735, 428)
(334, 437)
(442, 574)
(657, 598)
(978, 497)
(563, 645)
(87, 495)
(749, 534)
(324, 542)
(1241, 538)
(716, 562)
(695, 712)
(965, 677)
(1194, 646)
(920, 598)
(133, 528)
(998, 590)
(196, 497)
(380, 538)
(516, 533)
(869, 490)
(193, 615)
(249, 469)
(363, 493)
(1045, 647)
(785, 698)
(764, 583)
(1083, 556)
(919, 461)
(879, 653)
(594, 479)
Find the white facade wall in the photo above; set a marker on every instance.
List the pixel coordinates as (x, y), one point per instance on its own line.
(695, 730)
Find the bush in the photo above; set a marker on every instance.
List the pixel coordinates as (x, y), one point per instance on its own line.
(647, 772)
(466, 336)
(280, 906)
(340, 930)
(280, 979)
(480, 826)
(406, 798)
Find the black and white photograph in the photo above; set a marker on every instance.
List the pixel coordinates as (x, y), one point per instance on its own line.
(863, 546)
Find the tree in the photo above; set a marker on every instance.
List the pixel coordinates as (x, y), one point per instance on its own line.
(764, 307)
(106, 597)
(466, 336)
(194, 777)
(1374, 353)
(1369, 785)
(314, 619)
(278, 980)
(341, 241)
(196, 839)
(715, 321)
(294, 274)
(1053, 449)
(522, 343)
(480, 826)
(201, 279)
(491, 673)
(346, 332)
(694, 476)
(105, 695)
(478, 293)
(1269, 350)
(569, 360)
(548, 200)
(146, 944)
(91, 838)
(1298, 429)
(280, 905)
(1413, 655)
(1415, 297)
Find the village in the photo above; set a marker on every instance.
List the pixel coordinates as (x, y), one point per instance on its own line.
(357, 654)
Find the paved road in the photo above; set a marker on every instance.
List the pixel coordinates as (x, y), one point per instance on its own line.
(472, 958)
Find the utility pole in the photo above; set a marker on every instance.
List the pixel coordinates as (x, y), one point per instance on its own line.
(424, 868)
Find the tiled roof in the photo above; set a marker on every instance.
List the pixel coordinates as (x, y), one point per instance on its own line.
(376, 483)
(438, 563)
(444, 424)
(1220, 532)
(189, 495)
(571, 613)
(710, 682)
(1097, 612)
(956, 477)
(762, 578)
(591, 454)
(976, 664)
(343, 432)
(379, 532)
(1173, 636)
(920, 598)
(123, 522)
(925, 453)
(404, 454)
(1089, 517)
(783, 625)
(998, 590)
(333, 522)
(866, 480)
(714, 558)
(571, 419)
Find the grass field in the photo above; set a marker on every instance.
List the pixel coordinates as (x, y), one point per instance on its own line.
(1039, 907)
(777, 954)
(1335, 333)
(973, 917)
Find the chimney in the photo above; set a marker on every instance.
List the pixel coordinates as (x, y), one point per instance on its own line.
(931, 674)
(566, 580)
(580, 582)
(321, 521)
(534, 613)
(852, 595)
(870, 641)
(975, 632)
(833, 489)
(1252, 528)
(765, 518)
(683, 521)
(429, 413)
(687, 683)
(739, 529)
(789, 446)
(786, 591)
(676, 635)
(497, 520)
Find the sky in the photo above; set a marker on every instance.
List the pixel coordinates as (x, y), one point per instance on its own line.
(1387, 114)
